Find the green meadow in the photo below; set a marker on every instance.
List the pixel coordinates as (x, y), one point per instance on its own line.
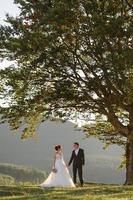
(88, 192)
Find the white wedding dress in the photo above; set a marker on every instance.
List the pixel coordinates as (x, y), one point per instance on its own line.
(61, 178)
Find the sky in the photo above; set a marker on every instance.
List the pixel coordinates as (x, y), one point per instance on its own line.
(7, 6)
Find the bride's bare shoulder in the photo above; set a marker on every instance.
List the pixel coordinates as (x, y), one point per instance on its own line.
(60, 153)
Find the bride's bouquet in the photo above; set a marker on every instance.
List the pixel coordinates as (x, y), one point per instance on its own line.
(54, 170)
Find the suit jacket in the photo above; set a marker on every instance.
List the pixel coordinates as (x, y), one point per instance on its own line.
(78, 159)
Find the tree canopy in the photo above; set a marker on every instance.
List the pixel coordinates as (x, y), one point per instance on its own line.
(70, 56)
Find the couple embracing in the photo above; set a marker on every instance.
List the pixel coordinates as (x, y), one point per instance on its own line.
(60, 176)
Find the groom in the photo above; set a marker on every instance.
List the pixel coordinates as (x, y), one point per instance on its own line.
(78, 160)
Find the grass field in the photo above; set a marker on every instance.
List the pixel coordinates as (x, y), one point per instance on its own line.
(88, 192)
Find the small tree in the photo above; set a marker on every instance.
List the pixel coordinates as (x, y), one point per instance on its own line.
(71, 57)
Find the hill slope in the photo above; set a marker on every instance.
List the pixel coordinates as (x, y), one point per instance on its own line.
(101, 165)
(14, 173)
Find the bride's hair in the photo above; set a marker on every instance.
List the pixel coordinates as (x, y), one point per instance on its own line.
(59, 146)
(56, 147)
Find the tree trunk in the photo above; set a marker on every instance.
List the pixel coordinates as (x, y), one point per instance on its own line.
(129, 163)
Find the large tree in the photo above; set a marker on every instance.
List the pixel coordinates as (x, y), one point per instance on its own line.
(71, 57)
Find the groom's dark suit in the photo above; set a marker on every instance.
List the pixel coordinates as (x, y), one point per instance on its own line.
(78, 162)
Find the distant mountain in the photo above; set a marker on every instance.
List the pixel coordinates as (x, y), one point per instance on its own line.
(10, 174)
(101, 165)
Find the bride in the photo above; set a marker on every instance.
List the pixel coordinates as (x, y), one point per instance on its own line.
(59, 176)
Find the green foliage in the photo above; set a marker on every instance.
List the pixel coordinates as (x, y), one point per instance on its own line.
(71, 56)
(105, 132)
(21, 174)
(123, 163)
